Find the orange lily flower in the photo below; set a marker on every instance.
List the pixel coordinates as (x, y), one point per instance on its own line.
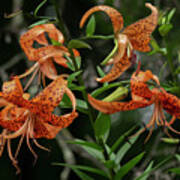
(33, 118)
(142, 97)
(48, 53)
(134, 37)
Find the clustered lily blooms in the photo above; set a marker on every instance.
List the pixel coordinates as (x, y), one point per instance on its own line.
(33, 118)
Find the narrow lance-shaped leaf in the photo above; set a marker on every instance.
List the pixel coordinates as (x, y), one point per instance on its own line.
(78, 44)
(90, 28)
(145, 172)
(82, 175)
(128, 166)
(85, 168)
(102, 125)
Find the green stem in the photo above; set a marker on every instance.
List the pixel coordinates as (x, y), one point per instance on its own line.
(169, 59)
(107, 157)
(84, 93)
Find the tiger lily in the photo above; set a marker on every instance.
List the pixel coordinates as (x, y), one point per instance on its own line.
(134, 37)
(46, 54)
(32, 118)
(142, 97)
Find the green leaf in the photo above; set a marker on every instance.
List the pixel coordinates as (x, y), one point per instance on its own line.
(105, 61)
(102, 125)
(170, 15)
(120, 140)
(69, 63)
(44, 21)
(118, 94)
(123, 150)
(128, 166)
(81, 105)
(101, 74)
(154, 45)
(78, 61)
(148, 169)
(82, 175)
(38, 7)
(73, 76)
(75, 87)
(82, 167)
(100, 90)
(110, 164)
(175, 170)
(56, 43)
(177, 157)
(92, 149)
(90, 28)
(156, 167)
(164, 29)
(87, 144)
(170, 140)
(78, 44)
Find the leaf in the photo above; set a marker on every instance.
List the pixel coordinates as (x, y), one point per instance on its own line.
(177, 157)
(38, 7)
(101, 74)
(75, 87)
(82, 175)
(123, 150)
(170, 140)
(73, 76)
(44, 21)
(100, 90)
(92, 149)
(156, 167)
(69, 63)
(128, 166)
(148, 169)
(120, 140)
(56, 43)
(81, 105)
(175, 170)
(82, 167)
(170, 15)
(77, 44)
(78, 61)
(90, 28)
(102, 125)
(164, 29)
(118, 94)
(105, 61)
(87, 144)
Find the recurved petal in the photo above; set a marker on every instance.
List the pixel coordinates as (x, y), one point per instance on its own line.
(51, 96)
(115, 16)
(139, 32)
(112, 107)
(118, 68)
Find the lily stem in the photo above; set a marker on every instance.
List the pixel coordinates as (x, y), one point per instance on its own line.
(84, 93)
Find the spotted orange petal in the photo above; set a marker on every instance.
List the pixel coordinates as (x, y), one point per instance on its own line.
(112, 107)
(139, 32)
(115, 16)
(118, 68)
(51, 96)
